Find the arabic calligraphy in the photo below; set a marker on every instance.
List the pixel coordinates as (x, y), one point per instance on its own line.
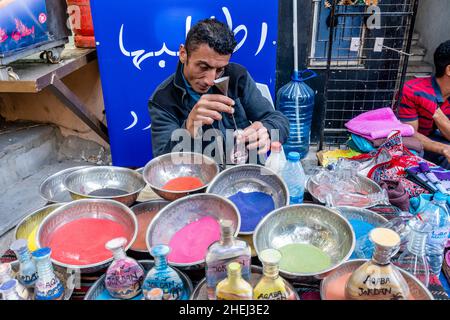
(139, 56)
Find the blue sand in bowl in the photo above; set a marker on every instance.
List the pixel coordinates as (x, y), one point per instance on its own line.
(252, 206)
(361, 229)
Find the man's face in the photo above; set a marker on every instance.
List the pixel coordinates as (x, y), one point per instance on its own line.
(203, 66)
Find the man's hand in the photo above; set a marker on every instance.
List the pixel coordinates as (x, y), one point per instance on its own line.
(258, 137)
(207, 110)
(446, 152)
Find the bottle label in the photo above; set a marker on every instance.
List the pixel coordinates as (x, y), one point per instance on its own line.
(439, 235)
(217, 270)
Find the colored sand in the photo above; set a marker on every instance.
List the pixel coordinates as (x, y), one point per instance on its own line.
(252, 206)
(32, 245)
(191, 243)
(361, 228)
(108, 192)
(82, 241)
(183, 184)
(144, 220)
(303, 258)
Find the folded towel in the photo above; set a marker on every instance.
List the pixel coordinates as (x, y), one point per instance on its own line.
(377, 124)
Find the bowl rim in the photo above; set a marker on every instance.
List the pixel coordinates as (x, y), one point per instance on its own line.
(92, 168)
(62, 172)
(175, 192)
(417, 281)
(142, 204)
(81, 201)
(253, 166)
(28, 216)
(186, 199)
(308, 205)
(373, 213)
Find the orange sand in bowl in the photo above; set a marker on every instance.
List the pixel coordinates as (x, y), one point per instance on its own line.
(144, 220)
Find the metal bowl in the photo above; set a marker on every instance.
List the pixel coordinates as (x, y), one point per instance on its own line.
(98, 288)
(354, 213)
(105, 182)
(200, 291)
(32, 221)
(169, 166)
(417, 288)
(150, 208)
(147, 194)
(52, 189)
(87, 208)
(368, 185)
(308, 224)
(67, 277)
(184, 211)
(250, 178)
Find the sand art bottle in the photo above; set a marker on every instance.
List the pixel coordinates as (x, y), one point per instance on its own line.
(271, 286)
(27, 272)
(48, 286)
(8, 291)
(125, 275)
(378, 278)
(6, 274)
(163, 276)
(223, 252)
(234, 287)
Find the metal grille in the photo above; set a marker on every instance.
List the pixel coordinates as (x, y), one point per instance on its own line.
(360, 78)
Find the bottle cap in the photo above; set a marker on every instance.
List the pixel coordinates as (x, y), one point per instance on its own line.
(275, 146)
(8, 285)
(234, 267)
(294, 156)
(270, 256)
(226, 225)
(42, 252)
(155, 294)
(385, 237)
(439, 196)
(116, 243)
(19, 245)
(160, 250)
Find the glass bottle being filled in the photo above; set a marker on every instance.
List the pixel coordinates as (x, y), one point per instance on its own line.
(271, 286)
(378, 278)
(234, 287)
(163, 276)
(221, 253)
(125, 275)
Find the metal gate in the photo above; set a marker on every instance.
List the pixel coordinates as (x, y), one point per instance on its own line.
(366, 61)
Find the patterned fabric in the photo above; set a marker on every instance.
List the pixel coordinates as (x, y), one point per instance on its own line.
(419, 100)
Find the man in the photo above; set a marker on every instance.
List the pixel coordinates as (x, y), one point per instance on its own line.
(189, 100)
(425, 104)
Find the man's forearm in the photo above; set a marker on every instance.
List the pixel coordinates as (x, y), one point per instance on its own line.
(442, 123)
(430, 145)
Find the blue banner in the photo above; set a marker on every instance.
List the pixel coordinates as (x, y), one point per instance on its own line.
(138, 43)
(22, 23)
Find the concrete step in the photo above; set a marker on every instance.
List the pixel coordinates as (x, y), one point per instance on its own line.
(418, 53)
(415, 38)
(22, 198)
(24, 149)
(419, 67)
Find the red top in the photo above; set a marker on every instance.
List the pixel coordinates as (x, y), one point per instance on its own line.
(420, 99)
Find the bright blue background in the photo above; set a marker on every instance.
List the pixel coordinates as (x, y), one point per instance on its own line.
(147, 25)
(28, 12)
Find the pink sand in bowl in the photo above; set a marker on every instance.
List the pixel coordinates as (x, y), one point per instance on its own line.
(191, 243)
(82, 242)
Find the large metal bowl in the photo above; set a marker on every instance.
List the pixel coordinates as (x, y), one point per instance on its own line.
(147, 194)
(417, 288)
(105, 182)
(250, 178)
(308, 224)
(32, 221)
(52, 189)
(87, 208)
(98, 289)
(368, 185)
(186, 210)
(150, 208)
(201, 293)
(169, 166)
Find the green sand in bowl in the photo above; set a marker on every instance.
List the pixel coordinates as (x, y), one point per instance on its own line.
(303, 258)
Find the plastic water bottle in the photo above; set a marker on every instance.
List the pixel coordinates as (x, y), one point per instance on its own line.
(294, 177)
(436, 213)
(296, 101)
(277, 159)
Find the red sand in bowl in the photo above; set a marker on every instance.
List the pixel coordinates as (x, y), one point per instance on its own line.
(144, 220)
(183, 184)
(82, 242)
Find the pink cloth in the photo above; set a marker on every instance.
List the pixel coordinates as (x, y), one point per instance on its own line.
(377, 124)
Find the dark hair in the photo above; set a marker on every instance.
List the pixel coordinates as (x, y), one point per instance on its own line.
(214, 33)
(442, 58)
